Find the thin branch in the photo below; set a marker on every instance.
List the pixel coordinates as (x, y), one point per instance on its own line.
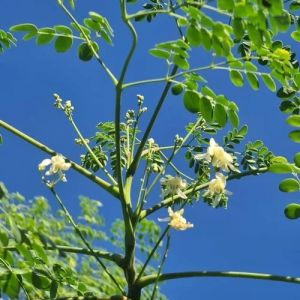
(7, 266)
(139, 277)
(194, 70)
(150, 279)
(174, 198)
(113, 190)
(89, 42)
(114, 257)
(117, 297)
(80, 234)
(138, 154)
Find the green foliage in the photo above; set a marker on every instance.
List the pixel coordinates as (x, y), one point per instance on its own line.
(6, 40)
(292, 211)
(64, 36)
(289, 185)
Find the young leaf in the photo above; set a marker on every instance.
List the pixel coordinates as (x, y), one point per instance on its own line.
(280, 168)
(252, 80)
(297, 159)
(159, 53)
(236, 78)
(293, 120)
(269, 82)
(206, 108)
(45, 36)
(220, 115)
(31, 30)
(295, 136)
(289, 185)
(193, 35)
(192, 101)
(292, 211)
(181, 62)
(233, 118)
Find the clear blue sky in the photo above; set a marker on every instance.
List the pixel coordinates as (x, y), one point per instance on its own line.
(251, 235)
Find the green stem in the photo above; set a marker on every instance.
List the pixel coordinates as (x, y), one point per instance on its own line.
(144, 13)
(164, 257)
(125, 192)
(151, 254)
(170, 78)
(89, 42)
(117, 297)
(150, 279)
(175, 151)
(113, 181)
(86, 243)
(174, 198)
(117, 258)
(7, 266)
(135, 162)
(113, 190)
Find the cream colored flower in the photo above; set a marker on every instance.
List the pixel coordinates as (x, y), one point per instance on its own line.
(216, 188)
(176, 220)
(57, 164)
(173, 186)
(218, 157)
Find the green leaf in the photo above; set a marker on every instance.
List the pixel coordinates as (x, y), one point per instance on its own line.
(1, 139)
(225, 4)
(193, 35)
(45, 36)
(206, 39)
(236, 78)
(280, 168)
(289, 185)
(31, 30)
(295, 5)
(254, 35)
(253, 81)
(191, 101)
(292, 211)
(293, 120)
(238, 28)
(12, 286)
(295, 136)
(177, 89)
(40, 279)
(297, 159)
(269, 82)
(63, 44)
(85, 52)
(249, 66)
(206, 108)
(208, 92)
(181, 62)
(220, 115)
(160, 53)
(296, 36)
(53, 289)
(243, 131)
(233, 118)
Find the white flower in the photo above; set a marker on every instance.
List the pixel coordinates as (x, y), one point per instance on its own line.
(218, 157)
(176, 220)
(57, 164)
(216, 188)
(173, 186)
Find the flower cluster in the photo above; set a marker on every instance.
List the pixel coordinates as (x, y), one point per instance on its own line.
(221, 160)
(218, 157)
(173, 186)
(176, 220)
(57, 165)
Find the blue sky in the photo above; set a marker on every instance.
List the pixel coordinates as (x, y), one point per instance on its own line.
(251, 235)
